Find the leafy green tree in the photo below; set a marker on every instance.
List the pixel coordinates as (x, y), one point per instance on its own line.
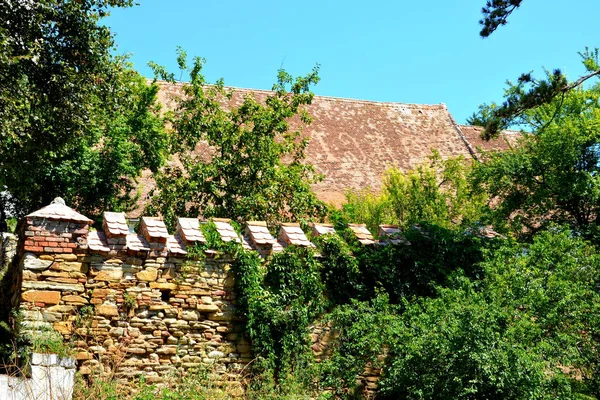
(552, 175)
(77, 122)
(437, 192)
(528, 330)
(256, 167)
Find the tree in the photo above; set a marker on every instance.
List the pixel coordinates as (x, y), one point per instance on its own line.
(528, 330)
(552, 175)
(495, 13)
(436, 192)
(256, 167)
(529, 92)
(77, 122)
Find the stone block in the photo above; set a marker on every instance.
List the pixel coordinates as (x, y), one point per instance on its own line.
(107, 310)
(44, 360)
(83, 355)
(41, 296)
(70, 266)
(163, 285)
(166, 350)
(32, 262)
(207, 308)
(41, 285)
(63, 327)
(115, 274)
(147, 275)
(78, 300)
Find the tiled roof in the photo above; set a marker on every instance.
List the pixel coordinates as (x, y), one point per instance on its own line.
(58, 210)
(97, 241)
(352, 142)
(137, 243)
(155, 228)
(259, 233)
(226, 230)
(362, 233)
(506, 139)
(322, 229)
(390, 234)
(189, 230)
(176, 245)
(291, 233)
(115, 223)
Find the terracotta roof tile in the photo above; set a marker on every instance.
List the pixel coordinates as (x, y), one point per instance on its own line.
(176, 245)
(322, 229)
(137, 243)
(391, 234)
(505, 140)
(97, 241)
(259, 233)
(362, 233)
(291, 233)
(189, 230)
(115, 224)
(247, 243)
(58, 210)
(154, 229)
(225, 229)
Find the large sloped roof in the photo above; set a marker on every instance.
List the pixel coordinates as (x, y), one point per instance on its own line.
(506, 139)
(353, 142)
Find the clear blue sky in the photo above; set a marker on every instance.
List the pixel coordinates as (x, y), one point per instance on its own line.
(401, 51)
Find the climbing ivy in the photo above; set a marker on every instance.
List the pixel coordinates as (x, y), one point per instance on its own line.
(280, 300)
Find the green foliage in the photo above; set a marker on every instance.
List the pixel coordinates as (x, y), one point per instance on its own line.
(433, 258)
(495, 14)
(362, 330)
(552, 175)
(86, 133)
(340, 271)
(372, 209)
(279, 309)
(195, 385)
(47, 342)
(528, 94)
(526, 331)
(437, 192)
(129, 301)
(255, 169)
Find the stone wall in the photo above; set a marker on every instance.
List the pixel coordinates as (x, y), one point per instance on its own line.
(134, 302)
(129, 304)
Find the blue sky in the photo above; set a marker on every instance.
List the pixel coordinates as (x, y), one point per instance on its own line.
(401, 51)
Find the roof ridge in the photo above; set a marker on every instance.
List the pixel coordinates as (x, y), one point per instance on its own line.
(330, 98)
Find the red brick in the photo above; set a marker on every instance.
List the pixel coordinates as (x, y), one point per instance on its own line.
(56, 239)
(35, 249)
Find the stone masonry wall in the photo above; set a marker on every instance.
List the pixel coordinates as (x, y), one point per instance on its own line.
(130, 304)
(133, 304)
